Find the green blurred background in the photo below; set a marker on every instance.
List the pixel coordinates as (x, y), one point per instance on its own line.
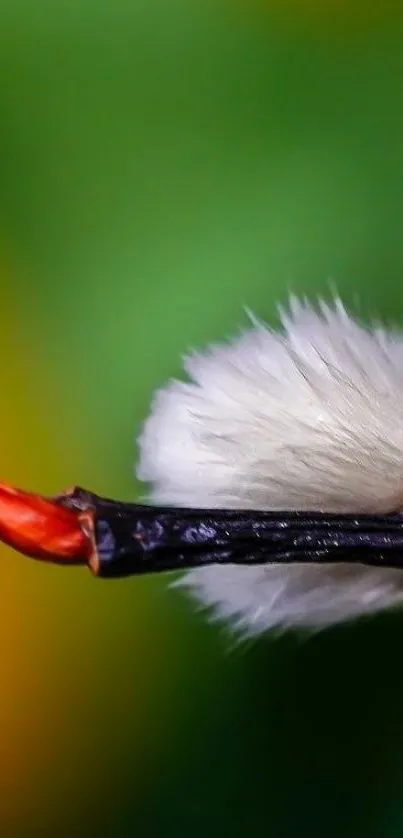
(162, 165)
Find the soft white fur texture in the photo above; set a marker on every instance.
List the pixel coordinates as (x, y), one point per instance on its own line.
(308, 417)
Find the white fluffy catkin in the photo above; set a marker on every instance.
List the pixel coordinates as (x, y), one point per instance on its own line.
(310, 418)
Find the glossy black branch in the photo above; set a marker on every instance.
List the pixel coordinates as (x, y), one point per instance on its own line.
(136, 539)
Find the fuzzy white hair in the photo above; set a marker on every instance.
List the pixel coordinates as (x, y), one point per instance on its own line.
(309, 418)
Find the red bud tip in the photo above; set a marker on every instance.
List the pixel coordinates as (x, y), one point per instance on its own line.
(42, 528)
